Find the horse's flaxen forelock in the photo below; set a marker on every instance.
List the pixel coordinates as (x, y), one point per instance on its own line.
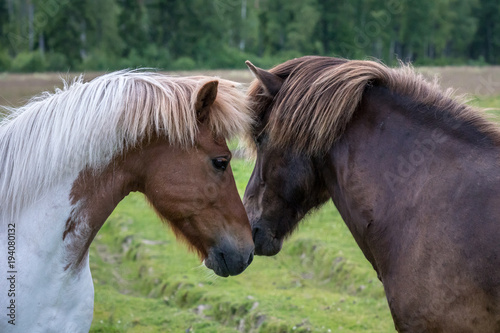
(85, 125)
(320, 95)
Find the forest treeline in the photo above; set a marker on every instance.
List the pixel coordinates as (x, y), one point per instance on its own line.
(61, 35)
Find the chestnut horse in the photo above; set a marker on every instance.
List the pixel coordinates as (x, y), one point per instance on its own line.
(414, 174)
(67, 159)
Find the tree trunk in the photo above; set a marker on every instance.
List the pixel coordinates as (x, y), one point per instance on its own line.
(242, 26)
(41, 44)
(31, 29)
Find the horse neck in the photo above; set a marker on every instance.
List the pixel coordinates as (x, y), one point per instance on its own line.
(70, 213)
(53, 235)
(94, 195)
(388, 160)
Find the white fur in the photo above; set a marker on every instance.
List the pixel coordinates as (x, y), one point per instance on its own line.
(48, 298)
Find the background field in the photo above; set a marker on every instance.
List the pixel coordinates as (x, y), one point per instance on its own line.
(145, 281)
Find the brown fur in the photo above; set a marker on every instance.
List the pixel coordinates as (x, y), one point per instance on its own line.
(414, 174)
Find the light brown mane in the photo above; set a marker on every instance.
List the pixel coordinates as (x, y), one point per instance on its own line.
(320, 95)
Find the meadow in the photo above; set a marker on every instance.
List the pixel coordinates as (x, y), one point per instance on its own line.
(147, 281)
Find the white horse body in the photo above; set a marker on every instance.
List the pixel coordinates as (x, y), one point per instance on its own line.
(47, 297)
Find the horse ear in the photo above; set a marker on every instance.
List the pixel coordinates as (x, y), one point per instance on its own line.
(272, 83)
(205, 98)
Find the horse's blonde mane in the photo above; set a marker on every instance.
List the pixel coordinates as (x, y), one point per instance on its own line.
(320, 95)
(85, 125)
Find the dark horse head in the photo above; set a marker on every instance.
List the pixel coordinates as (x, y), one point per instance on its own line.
(285, 183)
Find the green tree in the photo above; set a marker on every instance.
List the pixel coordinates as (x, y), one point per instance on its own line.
(133, 25)
(102, 24)
(464, 27)
(66, 32)
(336, 28)
(109, 34)
(486, 42)
(288, 26)
(4, 18)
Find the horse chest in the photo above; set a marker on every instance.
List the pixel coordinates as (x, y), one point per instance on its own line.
(46, 296)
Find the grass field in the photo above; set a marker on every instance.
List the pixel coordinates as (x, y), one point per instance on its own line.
(146, 281)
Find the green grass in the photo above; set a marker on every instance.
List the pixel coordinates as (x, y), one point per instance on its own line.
(146, 281)
(491, 104)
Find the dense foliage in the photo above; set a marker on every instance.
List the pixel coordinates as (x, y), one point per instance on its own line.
(59, 35)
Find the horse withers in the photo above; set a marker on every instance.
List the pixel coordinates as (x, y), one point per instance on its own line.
(414, 174)
(67, 159)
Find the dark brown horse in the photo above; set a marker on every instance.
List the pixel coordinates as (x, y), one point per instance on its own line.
(414, 174)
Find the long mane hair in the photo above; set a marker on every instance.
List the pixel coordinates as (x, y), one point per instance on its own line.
(320, 95)
(85, 125)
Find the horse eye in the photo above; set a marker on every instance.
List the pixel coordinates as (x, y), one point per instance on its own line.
(220, 163)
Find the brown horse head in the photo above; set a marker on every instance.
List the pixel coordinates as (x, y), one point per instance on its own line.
(194, 190)
(171, 147)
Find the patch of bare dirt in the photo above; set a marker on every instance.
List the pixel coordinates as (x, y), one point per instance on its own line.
(17, 89)
(478, 81)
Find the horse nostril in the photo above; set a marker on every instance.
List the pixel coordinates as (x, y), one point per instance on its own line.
(250, 259)
(221, 255)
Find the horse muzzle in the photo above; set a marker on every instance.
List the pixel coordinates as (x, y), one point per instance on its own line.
(266, 243)
(226, 260)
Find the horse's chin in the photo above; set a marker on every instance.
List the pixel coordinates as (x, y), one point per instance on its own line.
(220, 271)
(266, 244)
(226, 261)
(270, 248)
